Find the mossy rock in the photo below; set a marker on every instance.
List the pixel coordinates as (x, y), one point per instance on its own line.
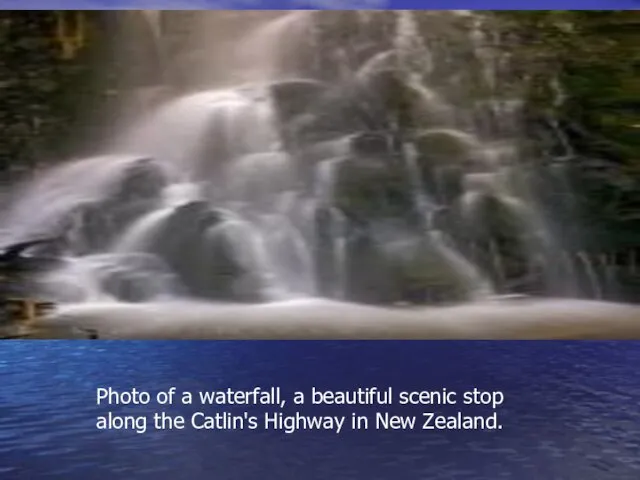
(405, 101)
(447, 146)
(373, 189)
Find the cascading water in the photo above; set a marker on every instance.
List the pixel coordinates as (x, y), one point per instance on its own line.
(364, 183)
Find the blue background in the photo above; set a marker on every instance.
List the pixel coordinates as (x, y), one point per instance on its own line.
(326, 4)
(572, 410)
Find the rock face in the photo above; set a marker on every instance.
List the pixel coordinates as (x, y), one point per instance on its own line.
(92, 226)
(391, 267)
(180, 242)
(496, 238)
(19, 269)
(449, 146)
(195, 245)
(297, 97)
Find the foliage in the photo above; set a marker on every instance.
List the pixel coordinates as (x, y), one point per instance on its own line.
(47, 63)
(583, 66)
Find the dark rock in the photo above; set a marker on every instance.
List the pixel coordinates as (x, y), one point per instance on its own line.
(203, 256)
(446, 146)
(224, 275)
(405, 105)
(20, 259)
(426, 274)
(402, 267)
(445, 182)
(179, 240)
(500, 244)
(372, 144)
(369, 276)
(137, 278)
(327, 269)
(125, 288)
(91, 227)
(373, 189)
(143, 180)
(339, 111)
(363, 145)
(296, 97)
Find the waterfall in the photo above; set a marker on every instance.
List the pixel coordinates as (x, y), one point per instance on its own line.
(288, 175)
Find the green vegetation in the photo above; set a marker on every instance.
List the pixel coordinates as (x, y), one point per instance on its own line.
(593, 56)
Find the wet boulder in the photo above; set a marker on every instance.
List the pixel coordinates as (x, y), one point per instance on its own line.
(137, 190)
(443, 157)
(399, 101)
(143, 179)
(21, 265)
(499, 240)
(402, 267)
(91, 226)
(137, 278)
(329, 250)
(369, 273)
(178, 241)
(447, 146)
(373, 188)
(339, 111)
(195, 245)
(229, 270)
(297, 96)
(428, 272)
(373, 144)
(361, 145)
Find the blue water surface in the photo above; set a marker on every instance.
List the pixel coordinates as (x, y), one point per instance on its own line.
(572, 410)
